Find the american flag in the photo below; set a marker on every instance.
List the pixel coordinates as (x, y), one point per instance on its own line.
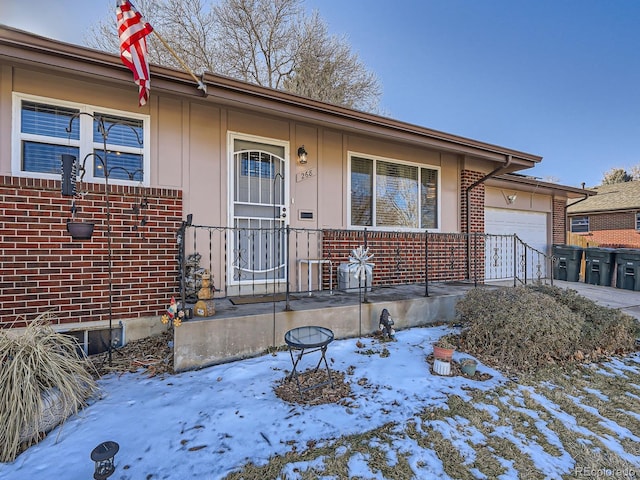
(132, 31)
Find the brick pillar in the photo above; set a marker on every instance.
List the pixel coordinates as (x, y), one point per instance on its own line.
(476, 204)
(558, 221)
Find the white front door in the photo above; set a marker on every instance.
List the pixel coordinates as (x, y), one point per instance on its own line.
(259, 200)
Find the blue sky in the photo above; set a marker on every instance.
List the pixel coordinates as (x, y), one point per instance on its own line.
(555, 78)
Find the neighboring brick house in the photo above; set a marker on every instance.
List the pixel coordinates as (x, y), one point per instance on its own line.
(609, 219)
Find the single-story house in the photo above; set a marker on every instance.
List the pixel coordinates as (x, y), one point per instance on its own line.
(226, 172)
(611, 218)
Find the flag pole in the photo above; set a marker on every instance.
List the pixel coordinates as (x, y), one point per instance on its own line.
(201, 85)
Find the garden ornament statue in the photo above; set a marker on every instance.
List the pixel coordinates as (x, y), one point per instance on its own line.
(386, 324)
(173, 314)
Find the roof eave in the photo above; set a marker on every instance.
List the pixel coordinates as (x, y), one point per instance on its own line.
(235, 92)
(533, 184)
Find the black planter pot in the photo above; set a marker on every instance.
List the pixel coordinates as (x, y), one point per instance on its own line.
(80, 230)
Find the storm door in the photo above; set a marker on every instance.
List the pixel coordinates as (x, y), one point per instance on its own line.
(259, 196)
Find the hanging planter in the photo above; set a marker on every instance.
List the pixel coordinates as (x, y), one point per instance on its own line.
(80, 230)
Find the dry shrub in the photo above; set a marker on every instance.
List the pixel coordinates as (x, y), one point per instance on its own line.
(43, 382)
(604, 330)
(524, 328)
(518, 328)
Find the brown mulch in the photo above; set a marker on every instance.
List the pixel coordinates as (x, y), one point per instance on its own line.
(152, 355)
(287, 390)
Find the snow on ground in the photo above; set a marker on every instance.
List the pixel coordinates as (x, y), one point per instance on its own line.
(205, 424)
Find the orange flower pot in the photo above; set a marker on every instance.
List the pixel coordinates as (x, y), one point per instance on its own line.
(442, 353)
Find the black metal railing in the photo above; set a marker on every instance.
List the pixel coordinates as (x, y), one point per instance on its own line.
(258, 261)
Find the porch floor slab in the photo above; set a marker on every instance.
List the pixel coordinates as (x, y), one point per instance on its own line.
(300, 301)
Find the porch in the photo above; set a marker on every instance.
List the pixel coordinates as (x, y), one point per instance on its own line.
(417, 277)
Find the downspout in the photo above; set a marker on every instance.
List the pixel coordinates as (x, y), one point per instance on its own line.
(468, 203)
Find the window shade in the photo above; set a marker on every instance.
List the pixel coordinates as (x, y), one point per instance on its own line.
(48, 120)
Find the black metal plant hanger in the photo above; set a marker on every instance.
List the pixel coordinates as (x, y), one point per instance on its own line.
(104, 132)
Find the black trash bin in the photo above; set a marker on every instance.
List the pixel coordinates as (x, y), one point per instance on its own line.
(567, 262)
(599, 263)
(628, 269)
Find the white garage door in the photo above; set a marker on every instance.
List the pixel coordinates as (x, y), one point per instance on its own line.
(530, 227)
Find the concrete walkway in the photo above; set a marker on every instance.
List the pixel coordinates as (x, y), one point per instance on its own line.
(626, 300)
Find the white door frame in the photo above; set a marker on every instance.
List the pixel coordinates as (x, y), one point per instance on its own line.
(264, 205)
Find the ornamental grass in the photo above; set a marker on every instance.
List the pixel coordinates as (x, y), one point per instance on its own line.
(43, 382)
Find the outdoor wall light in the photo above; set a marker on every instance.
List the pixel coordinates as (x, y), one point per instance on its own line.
(510, 199)
(302, 155)
(103, 455)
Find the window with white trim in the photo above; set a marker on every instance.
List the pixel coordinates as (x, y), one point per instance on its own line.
(45, 129)
(393, 195)
(579, 224)
(638, 221)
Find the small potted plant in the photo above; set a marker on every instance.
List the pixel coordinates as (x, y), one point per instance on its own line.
(443, 349)
(468, 367)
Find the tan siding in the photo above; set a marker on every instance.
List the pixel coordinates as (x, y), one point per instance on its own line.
(332, 180)
(70, 88)
(206, 168)
(450, 194)
(256, 124)
(304, 189)
(170, 142)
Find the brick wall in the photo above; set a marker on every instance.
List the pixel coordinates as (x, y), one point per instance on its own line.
(613, 230)
(43, 269)
(399, 258)
(558, 221)
(476, 197)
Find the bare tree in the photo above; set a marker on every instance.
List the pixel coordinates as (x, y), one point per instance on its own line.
(635, 172)
(616, 175)
(267, 42)
(257, 39)
(326, 69)
(188, 27)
